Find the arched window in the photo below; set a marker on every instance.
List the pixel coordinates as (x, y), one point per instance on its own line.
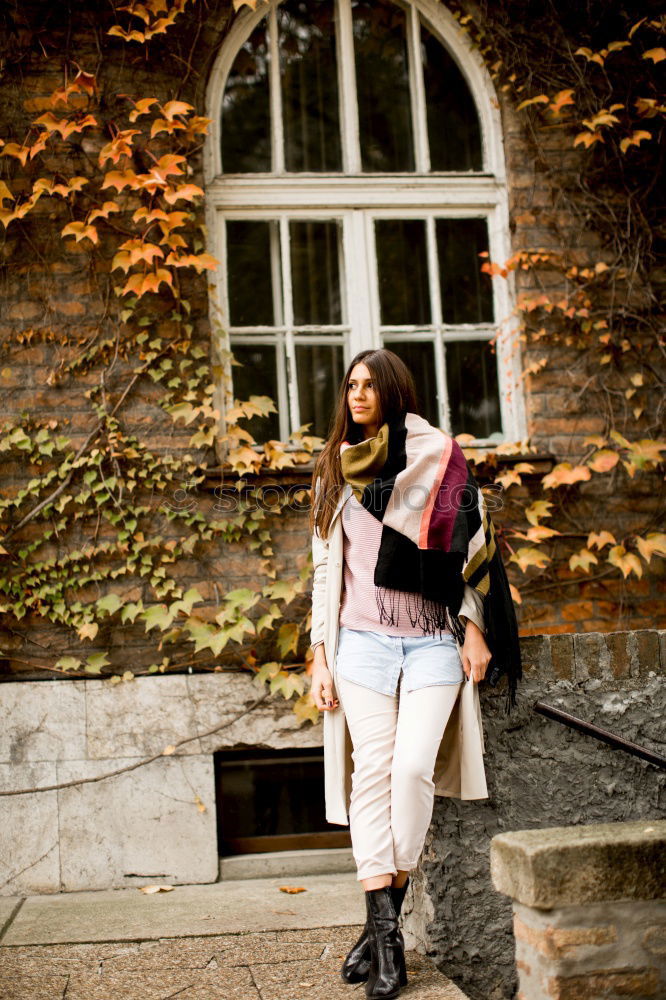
(354, 175)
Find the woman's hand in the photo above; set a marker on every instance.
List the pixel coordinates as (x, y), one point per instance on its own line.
(475, 653)
(322, 688)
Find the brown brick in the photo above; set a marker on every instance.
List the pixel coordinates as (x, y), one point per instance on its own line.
(639, 983)
(567, 939)
(562, 656)
(71, 308)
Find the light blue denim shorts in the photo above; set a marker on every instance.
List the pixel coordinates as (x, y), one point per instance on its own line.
(376, 660)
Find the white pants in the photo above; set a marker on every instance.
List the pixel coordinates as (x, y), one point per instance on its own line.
(395, 741)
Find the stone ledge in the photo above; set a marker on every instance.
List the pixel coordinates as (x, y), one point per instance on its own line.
(562, 866)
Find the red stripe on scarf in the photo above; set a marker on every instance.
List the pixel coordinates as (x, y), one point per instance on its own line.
(446, 497)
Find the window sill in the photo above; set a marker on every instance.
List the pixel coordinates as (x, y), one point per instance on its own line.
(542, 461)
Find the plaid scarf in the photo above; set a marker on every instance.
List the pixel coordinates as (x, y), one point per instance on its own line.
(437, 535)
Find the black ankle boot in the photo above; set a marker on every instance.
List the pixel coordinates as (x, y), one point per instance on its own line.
(387, 954)
(356, 966)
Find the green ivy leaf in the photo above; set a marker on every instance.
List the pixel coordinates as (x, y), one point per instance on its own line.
(157, 616)
(95, 663)
(287, 638)
(108, 604)
(68, 663)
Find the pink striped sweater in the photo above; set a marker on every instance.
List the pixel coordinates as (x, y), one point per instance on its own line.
(358, 607)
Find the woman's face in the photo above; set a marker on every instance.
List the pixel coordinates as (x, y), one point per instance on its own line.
(363, 400)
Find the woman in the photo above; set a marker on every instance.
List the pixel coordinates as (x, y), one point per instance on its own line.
(409, 598)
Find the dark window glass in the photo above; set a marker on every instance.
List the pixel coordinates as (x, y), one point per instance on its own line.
(454, 133)
(309, 85)
(471, 376)
(252, 259)
(420, 359)
(382, 85)
(466, 292)
(315, 272)
(268, 793)
(403, 271)
(320, 369)
(246, 119)
(257, 377)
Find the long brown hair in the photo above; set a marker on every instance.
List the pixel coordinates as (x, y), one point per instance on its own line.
(396, 393)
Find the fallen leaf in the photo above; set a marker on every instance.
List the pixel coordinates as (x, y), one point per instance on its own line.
(149, 890)
(292, 888)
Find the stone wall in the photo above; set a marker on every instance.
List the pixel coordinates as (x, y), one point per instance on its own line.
(149, 823)
(588, 909)
(540, 774)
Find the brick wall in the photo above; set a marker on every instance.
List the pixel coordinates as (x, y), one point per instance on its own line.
(54, 303)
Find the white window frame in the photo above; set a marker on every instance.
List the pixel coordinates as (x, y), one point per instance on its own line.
(358, 198)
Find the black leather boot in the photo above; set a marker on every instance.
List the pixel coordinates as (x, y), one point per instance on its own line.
(356, 966)
(387, 953)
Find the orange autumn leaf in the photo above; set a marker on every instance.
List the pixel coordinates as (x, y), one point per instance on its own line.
(172, 108)
(200, 262)
(81, 231)
(564, 474)
(104, 212)
(121, 145)
(141, 107)
(186, 192)
(561, 100)
(292, 888)
(19, 152)
(604, 460)
(64, 126)
(120, 179)
(627, 562)
(600, 538)
(128, 36)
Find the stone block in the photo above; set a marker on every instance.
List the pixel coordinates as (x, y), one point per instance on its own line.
(646, 645)
(559, 866)
(535, 654)
(591, 655)
(42, 721)
(619, 656)
(154, 822)
(562, 656)
(139, 718)
(218, 697)
(29, 860)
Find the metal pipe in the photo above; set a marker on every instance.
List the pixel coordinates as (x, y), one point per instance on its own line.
(603, 735)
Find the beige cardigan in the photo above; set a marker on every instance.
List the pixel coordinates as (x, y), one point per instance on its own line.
(459, 768)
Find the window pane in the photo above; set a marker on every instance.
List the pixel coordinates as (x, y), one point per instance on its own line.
(257, 377)
(420, 359)
(320, 368)
(315, 272)
(252, 262)
(471, 375)
(309, 85)
(246, 120)
(466, 292)
(453, 124)
(382, 84)
(404, 294)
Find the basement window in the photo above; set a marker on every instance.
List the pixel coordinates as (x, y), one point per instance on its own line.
(272, 800)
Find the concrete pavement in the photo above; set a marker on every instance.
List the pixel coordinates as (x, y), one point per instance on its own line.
(234, 940)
